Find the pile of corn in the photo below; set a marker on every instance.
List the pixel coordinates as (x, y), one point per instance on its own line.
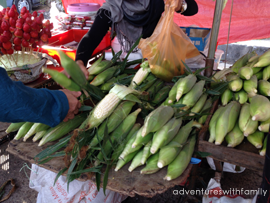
(245, 108)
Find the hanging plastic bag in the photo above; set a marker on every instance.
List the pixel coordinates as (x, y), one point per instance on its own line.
(168, 46)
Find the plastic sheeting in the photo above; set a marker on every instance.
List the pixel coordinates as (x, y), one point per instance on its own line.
(250, 18)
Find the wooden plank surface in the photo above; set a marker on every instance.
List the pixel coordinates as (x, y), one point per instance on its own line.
(123, 181)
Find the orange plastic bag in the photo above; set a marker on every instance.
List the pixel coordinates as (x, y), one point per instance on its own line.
(168, 46)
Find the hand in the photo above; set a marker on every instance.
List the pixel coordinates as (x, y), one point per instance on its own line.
(178, 5)
(83, 68)
(73, 102)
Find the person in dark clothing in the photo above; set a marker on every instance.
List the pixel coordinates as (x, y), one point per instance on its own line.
(130, 20)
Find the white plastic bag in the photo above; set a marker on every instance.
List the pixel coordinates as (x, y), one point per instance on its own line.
(42, 181)
(227, 167)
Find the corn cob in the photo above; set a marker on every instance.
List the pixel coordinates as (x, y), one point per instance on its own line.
(151, 165)
(161, 95)
(266, 73)
(266, 122)
(136, 161)
(62, 129)
(62, 79)
(193, 95)
(155, 88)
(165, 134)
(114, 120)
(220, 76)
(119, 134)
(226, 97)
(236, 84)
(185, 85)
(264, 127)
(244, 116)
(250, 127)
(14, 127)
(168, 153)
(259, 75)
(263, 60)
(146, 152)
(199, 105)
(156, 119)
(254, 58)
(235, 137)
(260, 108)
(109, 84)
(263, 150)
(242, 61)
(206, 106)
(241, 96)
(250, 86)
(173, 92)
(23, 130)
(256, 139)
(264, 87)
(108, 104)
(222, 124)
(39, 135)
(245, 72)
(140, 140)
(212, 124)
(161, 72)
(148, 82)
(99, 66)
(180, 163)
(122, 162)
(90, 78)
(104, 76)
(122, 146)
(37, 127)
(141, 74)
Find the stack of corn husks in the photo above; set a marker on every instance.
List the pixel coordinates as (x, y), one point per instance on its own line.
(249, 114)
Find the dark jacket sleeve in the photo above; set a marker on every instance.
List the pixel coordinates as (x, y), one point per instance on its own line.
(21, 103)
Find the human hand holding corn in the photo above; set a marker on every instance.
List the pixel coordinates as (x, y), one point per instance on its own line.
(175, 3)
(82, 67)
(73, 102)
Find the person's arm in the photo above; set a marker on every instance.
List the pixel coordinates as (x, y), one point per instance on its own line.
(21, 103)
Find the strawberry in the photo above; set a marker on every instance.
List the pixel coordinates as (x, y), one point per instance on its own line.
(3, 39)
(19, 25)
(25, 43)
(44, 38)
(7, 45)
(41, 16)
(7, 34)
(35, 14)
(28, 20)
(26, 36)
(3, 51)
(34, 26)
(51, 26)
(10, 51)
(5, 25)
(32, 41)
(34, 34)
(18, 33)
(12, 29)
(23, 10)
(12, 22)
(17, 41)
(18, 47)
(34, 45)
(21, 20)
(26, 27)
(11, 13)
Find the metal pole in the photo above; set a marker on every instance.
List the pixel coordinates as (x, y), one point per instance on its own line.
(213, 40)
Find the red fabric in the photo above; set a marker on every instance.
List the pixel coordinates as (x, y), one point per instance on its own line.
(250, 18)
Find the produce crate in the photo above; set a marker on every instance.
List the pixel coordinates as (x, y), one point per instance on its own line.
(67, 42)
(245, 154)
(198, 36)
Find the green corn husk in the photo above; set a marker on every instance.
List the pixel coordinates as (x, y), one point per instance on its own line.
(136, 161)
(207, 105)
(251, 127)
(62, 129)
(180, 163)
(106, 75)
(148, 82)
(39, 135)
(99, 66)
(114, 120)
(266, 122)
(256, 139)
(151, 165)
(155, 88)
(241, 96)
(264, 87)
(246, 124)
(264, 128)
(185, 85)
(120, 133)
(140, 140)
(156, 119)
(90, 78)
(122, 162)
(259, 108)
(242, 61)
(245, 72)
(226, 97)
(193, 95)
(253, 58)
(266, 73)
(23, 130)
(14, 127)
(161, 95)
(264, 60)
(263, 150)
(236, 84)
(235, 137)
(37, 127)
(259, 75)
(165, 134)
(109, 84)
(199, 105)
(212, 124)
(122, 146)
(250, 86)
(173, 92)
(146, 152)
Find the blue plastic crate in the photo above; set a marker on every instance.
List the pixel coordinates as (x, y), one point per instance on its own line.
(201, 40)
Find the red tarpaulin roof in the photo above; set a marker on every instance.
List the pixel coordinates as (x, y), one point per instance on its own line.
(250, 18)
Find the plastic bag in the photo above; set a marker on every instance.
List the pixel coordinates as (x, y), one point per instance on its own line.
(168, 46)
(227, 167)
